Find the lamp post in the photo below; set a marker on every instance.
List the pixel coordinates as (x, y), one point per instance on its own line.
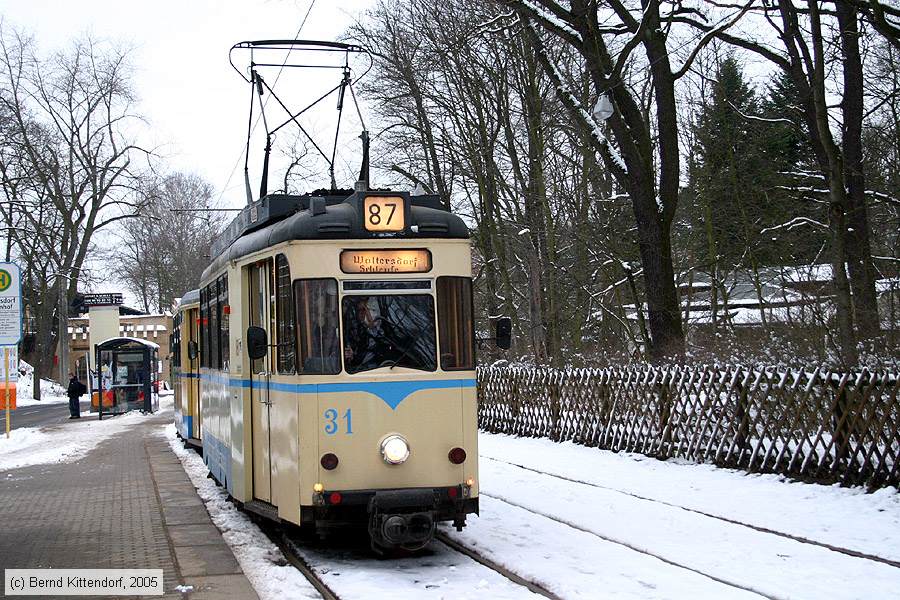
(63, 334)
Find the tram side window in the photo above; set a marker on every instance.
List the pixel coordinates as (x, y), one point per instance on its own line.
(212, 294)
(287, 343)
(316, 310)
(224, 350)
(175, 342)
(204, 334)
(456, 325)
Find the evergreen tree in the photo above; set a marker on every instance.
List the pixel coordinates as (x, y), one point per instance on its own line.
(727, 170)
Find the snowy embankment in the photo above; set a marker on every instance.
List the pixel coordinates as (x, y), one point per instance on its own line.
(51, 392)
(579, 520)
(262, 561)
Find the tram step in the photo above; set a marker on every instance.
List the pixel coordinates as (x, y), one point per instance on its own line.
(263, 509)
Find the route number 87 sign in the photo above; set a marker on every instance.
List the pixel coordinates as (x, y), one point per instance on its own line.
(384, 213)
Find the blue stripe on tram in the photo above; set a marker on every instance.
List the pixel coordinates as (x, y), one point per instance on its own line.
(391, 392)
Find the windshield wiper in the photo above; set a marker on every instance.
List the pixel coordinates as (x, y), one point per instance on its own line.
(403, 355)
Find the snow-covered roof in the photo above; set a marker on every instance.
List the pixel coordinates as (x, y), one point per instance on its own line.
(147, 343)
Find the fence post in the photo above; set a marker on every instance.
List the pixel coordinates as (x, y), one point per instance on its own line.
(839, 421)
(742, 414)
(665, 414)
(554, 408)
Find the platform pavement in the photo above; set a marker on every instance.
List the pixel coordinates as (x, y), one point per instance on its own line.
(127, 504)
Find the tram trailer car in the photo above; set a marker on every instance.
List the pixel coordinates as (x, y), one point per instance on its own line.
(186, 369)
(337, 364)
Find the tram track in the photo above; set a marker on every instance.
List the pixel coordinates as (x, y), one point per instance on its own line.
(480, 558)
(759, 528)
(632, 547)
(294, 555)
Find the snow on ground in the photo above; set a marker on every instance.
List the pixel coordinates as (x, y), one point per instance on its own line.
(597, 524)
(575, 537)
(848, 517)
(63, 443)
(352, 573)
(262, 561)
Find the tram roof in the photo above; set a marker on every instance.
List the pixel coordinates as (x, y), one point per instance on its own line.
(278, 218)
(191, 297)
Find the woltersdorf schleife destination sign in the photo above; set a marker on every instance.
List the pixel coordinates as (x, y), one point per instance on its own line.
(10, 304)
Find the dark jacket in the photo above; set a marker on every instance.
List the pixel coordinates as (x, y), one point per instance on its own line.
(76, 388)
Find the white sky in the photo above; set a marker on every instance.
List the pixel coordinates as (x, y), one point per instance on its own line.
(195, 104)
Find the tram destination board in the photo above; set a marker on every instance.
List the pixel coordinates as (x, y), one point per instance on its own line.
(10, 304)
(407, 260)
(102, 299)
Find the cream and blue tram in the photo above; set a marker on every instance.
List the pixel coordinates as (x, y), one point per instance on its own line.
(337, 364)
(186, 368)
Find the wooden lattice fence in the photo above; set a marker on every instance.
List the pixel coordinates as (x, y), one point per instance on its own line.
(815, 424)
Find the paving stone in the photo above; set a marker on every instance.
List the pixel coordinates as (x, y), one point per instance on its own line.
(182, 515)
(195, 535)
(127, 504)
(211, 559)
(218, 587)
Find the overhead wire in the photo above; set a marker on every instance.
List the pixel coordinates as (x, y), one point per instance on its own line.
(253, 128)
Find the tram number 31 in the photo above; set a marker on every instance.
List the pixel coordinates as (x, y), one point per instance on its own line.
(384, 214)
(332, 423)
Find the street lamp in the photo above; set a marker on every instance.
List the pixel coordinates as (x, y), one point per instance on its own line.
(63, 335)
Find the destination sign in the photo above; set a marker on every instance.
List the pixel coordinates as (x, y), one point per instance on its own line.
(413, 260)
(10, 304)
(102, 299)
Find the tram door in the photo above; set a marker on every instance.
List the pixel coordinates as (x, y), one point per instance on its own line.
(193, 386)
(260, 316)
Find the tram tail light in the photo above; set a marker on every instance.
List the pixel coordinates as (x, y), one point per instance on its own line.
(335, 498)
(329, 461)
(453, 493)
(457, 456)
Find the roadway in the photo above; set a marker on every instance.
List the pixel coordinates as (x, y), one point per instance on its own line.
(40, 415)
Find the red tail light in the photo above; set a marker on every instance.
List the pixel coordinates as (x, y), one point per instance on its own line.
(453, 492)
(457, 456)
(335, 498)
(329, 461)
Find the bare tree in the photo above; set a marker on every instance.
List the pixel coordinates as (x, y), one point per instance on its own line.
(67, 120)
(166, 248)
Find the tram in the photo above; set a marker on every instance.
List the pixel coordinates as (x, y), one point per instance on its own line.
(337, 364)
(186, 368)
(337, 351)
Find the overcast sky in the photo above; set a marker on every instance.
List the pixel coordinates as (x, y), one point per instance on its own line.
(194, 101)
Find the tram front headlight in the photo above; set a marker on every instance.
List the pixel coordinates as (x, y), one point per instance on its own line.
(394, 449)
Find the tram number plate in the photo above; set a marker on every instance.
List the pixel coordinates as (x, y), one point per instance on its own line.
(384, 213)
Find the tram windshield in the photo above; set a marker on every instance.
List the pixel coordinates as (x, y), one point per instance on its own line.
(387, 331)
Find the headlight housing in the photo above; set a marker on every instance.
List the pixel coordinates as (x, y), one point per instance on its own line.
(394, 449)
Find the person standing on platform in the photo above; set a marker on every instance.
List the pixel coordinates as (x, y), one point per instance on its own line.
(74, 391)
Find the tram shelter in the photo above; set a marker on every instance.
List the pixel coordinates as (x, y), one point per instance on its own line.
(128, 376)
